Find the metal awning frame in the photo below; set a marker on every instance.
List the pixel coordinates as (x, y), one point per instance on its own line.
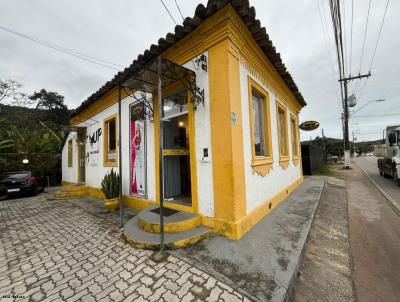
(156, 75)
(145, 82)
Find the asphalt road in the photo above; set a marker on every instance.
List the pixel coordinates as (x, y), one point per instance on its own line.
(374, 232)
(369, 165)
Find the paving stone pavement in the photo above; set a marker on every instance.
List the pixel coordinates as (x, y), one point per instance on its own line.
(56, 251)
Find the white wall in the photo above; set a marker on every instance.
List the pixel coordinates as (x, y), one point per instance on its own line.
(205, 184)
(70, 174)
(261, 188)
(94, 174)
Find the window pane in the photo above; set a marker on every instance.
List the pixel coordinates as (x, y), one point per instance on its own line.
(259, 126)
(282, 133)
(112, 141)
(294, 134)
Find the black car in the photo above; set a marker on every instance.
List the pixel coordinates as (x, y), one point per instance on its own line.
(21, 182)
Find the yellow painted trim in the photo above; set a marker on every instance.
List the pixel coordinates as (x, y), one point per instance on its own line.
(224, 24)
(192, 150)
(70, 153)
(175, 152)
(261, 165)
(175, 227)
(109, 99)
(236, 230)
(137, 203)
(294, 137)
(283, 158)
(106, 162)
(170, 245)
(67, 183)
(129, 201)
(226, 137)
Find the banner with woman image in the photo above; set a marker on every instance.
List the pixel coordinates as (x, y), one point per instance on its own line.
(138, 151)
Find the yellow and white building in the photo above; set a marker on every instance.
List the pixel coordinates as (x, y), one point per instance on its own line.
(230, 158)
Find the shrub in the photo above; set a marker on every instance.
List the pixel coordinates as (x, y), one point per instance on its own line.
(110, 185)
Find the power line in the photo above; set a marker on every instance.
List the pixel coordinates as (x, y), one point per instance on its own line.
(376, 46)
(378, 115)
(345, 38)
(64, 50)
(351, 32)
(365, 35)
(327, 47)
(183, 18)
(169, 13)
(379, 34)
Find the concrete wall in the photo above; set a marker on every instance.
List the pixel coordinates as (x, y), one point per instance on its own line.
(261, 188)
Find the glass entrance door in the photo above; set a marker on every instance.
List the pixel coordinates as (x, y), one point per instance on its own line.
(176, 149)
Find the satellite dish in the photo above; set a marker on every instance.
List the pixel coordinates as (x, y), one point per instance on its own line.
(309, 125)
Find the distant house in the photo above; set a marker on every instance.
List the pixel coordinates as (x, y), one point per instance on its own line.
(229, 118)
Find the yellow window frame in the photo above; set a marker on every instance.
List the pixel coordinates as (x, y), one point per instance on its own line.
(294, 138)
(70, 153)
(283, 158)
(260, 164)
(106, 162)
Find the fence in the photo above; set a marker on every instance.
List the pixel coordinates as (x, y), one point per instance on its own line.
(312, 158)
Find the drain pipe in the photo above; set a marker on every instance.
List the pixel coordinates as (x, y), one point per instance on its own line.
(161, 162)
(121, 206)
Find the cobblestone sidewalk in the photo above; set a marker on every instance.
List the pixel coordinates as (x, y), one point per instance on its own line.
(55, 251)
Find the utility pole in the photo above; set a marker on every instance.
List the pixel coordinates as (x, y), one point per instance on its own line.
(323, 143)
(346, 115)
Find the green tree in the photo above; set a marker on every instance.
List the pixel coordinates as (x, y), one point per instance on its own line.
(48, 100)
(4, 145)
(10, 93)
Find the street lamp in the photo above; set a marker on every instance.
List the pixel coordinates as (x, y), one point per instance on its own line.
(25, 161)
(380, 100)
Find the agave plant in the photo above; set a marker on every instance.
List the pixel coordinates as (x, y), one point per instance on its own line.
(110, 185)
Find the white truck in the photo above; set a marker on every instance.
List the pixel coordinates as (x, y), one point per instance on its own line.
(389, 154)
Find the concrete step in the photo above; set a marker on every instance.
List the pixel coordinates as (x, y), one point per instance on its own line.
(174, 221)
(151, 241)
(74, 188)
(71, 192)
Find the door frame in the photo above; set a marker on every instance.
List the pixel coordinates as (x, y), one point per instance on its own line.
(192, 150)
(78, 134)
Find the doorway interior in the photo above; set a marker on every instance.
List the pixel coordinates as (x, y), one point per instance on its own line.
(176, 149)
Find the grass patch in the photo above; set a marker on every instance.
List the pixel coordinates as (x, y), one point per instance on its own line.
(324, 169)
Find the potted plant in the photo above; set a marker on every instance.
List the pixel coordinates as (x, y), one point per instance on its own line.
(110, 189)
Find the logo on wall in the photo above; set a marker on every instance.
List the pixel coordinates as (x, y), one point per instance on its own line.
(138, 151)
(92, 155)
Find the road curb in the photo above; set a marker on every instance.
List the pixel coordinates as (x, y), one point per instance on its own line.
(390, 201)
(291, 287)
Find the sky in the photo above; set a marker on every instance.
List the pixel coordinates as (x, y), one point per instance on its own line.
(117, 31)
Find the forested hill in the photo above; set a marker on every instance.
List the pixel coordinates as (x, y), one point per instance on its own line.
(22, 117)
(35, 134)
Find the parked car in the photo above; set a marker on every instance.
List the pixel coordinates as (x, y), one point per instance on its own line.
(21, 182)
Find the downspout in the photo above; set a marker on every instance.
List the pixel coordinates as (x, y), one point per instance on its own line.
(121, 206)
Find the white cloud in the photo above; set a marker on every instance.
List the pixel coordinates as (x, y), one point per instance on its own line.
(120, 30)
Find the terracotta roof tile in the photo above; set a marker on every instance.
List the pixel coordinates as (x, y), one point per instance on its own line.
(246, 13)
